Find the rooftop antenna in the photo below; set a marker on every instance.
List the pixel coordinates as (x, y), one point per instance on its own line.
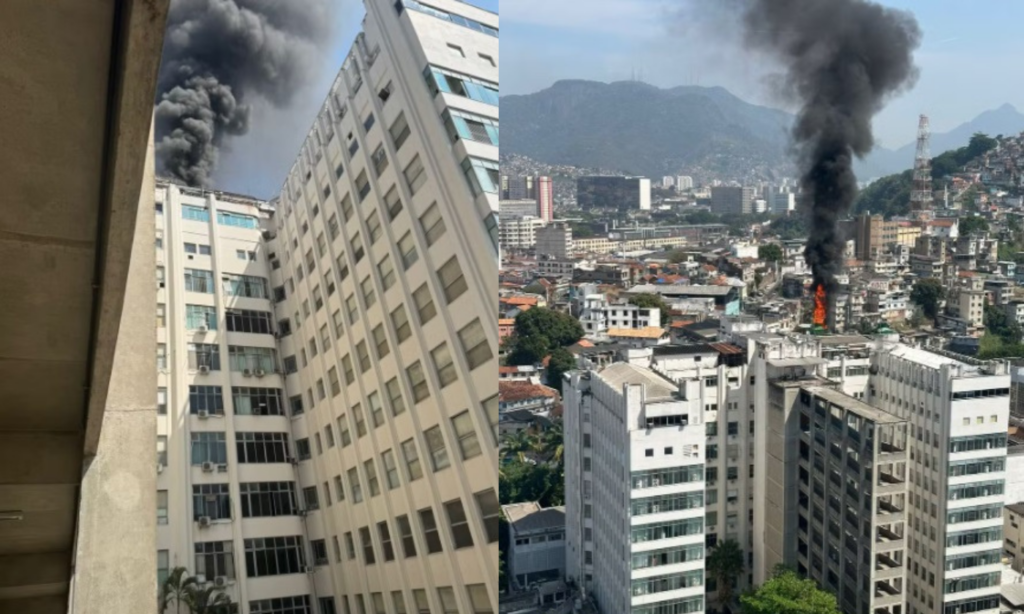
(921, 195)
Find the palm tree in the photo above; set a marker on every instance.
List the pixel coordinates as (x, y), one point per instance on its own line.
(551, 441)
(725, 564)
(210, 600)
(178, 588)
(514, 445)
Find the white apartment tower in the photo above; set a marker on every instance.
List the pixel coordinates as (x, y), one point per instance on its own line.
(343, 390)
(635, 509)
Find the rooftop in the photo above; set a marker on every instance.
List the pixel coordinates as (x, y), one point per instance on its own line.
(648, 332)
(530, 516)
(521, 391)
(857, 406)
(680, 289)
(620, 373)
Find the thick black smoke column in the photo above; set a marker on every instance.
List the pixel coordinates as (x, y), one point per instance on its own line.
(217, 55)
(843, 60)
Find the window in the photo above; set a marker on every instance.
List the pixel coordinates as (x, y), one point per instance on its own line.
(362, 185)
(215, 559)
(407, 247)
(393, 202)
(318, 298)
(369, 296)
(468, 443)
(200, 316)
(367, 544)
(310, 261)
(272, 556)
(310, 498)
(483, 175)
(380, 340)
(414, 5)
(290, 364)
(461, 535)
(302, 449)
(262, 447)
(418, 380)
(424, 304)
(251, 359)
(321, 392)
(236, 219)
(463, 125)
(163, 564)
(412, 460)
(385, 541)
(211, 500)
(490, 410)
(332, 226)
(346, 365)
(353, 308)
(335, 383)
(371, 478)
(261, 499)
(339, 325)
(246, 321)
(161, 401)
(242, 254)
(490, 511)
(354, 486)
(321, 244)
(405, 532)
(399, 131)
(209, 447)
(433, 223)
(364, 357)
(161, 450)
(161, 315)
(343, 432)
(245, 285)
(449, 82)
(250, 401)
(206, 398)
(474, 344)
(444, 364)
(161, 507)
(379, 158)
(329, 435)
(346, 208)
(339, 489)
(387, 272)
(435, 445)
(196, 214)
(452, 280)
(390, 470)
(325, 337)
(199, 281)
(161, 356)
(298, 604)
(415, 174)
(430, 532)
(357, 417)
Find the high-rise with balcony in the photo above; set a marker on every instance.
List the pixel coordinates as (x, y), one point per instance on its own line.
(331, 405)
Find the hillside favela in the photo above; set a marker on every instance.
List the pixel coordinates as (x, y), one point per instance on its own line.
(752, 361)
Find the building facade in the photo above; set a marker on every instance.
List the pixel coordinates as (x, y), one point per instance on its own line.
(309, 460)
(554, 242)
(732, 200)
(608, 192)
(646, 556)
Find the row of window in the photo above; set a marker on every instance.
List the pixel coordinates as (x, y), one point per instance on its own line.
(250, 448)
(445, 15)
(248, 286)
(226, 218)
(247, 400)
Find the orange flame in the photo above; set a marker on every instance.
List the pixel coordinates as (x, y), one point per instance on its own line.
(819, 305)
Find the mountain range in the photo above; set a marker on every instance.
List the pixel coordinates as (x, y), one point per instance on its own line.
(702, 131)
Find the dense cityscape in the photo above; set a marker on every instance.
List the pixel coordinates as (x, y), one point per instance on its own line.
(669, 392)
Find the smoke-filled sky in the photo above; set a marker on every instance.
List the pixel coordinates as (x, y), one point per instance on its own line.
(256, 163)
(967, 51)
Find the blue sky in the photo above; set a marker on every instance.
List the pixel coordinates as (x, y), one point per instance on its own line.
(257, 163)
(969, 58)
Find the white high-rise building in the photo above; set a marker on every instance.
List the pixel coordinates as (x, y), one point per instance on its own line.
(634, 467)
(330, 355)
(684, 182)
(668, 181)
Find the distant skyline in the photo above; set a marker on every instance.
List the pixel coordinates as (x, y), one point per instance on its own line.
(257, 163)
(968, 58)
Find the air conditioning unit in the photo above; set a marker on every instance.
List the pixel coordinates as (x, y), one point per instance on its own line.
(204, 369)
(292, 460)
(222, 468)
(309, 569)
(202, 328)
(204, 521)
(247, 372)
(203, 414)
(220, 581)
(260, 372)
(208, 467)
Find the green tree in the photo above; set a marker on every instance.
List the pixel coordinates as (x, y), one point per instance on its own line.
(526, 481)
(177, 589)
(181, 589)
(973, 223)
(528, 350)
(558, 328)
(788, 593)
(514, 445)
(551, 440)
(770, 252)
(676, 256)
(927, 293)
(649, 301)
(561, 361)
(725, 564)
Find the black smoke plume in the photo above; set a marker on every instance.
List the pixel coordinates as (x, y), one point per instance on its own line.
(218, 56)
(843, 60)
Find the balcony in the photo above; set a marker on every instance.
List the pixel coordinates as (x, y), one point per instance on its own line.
(890, 508)
(889, 483)
(890, 539)
(888, 592)
(887, 567)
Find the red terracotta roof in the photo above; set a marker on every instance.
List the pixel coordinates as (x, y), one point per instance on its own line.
(522, 391)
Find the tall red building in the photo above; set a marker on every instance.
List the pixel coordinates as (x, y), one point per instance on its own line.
(545, 199)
